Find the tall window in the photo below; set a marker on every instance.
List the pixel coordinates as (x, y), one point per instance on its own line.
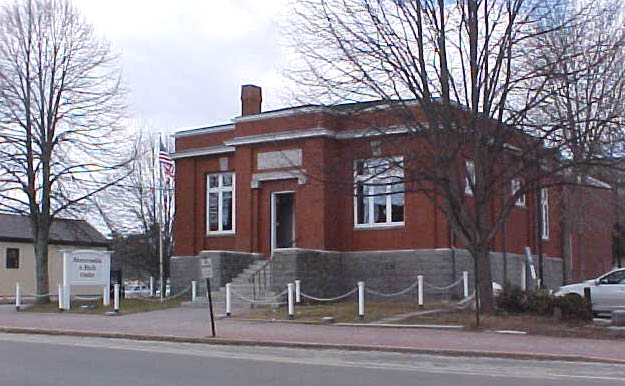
(544, 208)
(379, 197)
(470, 177)
(516, 186)
(220, 203)
(13, 258)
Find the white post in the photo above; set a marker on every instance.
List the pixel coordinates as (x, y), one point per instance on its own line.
(151, 286)
(60, 296)
(298, 295)
(361, 300)
(18, 296)
(193, 290)
(524, 275)
(116, 298)
(106, 296)
(228, 299)
(290, 297)
(420, 285)
(465, 281)
(66, 281)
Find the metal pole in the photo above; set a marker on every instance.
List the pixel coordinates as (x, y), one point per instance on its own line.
(361, 300)
(228, 298)
(420, 286)
(290, 297)
(116, 298)
(210, 305)
(160, 252)
(298, 295)
(18, 296)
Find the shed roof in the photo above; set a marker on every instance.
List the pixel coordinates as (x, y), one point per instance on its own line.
(63, 231)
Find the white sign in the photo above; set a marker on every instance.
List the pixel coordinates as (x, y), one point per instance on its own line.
(206, 268)
(87, 267)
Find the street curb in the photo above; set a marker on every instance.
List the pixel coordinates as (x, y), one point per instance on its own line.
(317, 346)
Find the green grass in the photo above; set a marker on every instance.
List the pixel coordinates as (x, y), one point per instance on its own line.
(127, 306)
(342, 312)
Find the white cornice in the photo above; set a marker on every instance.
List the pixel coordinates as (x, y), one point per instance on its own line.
(372, 132)
(279, 113)
(204, 130)
(211, 150)
(280, 136)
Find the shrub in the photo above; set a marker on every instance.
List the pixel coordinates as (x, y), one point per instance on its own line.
(511, 299)
(573, 307)
(539, 302)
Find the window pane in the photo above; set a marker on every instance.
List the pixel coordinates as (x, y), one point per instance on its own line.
(227, 180)
(226, 211)
(379, 204)
(362, 207)
(12, 258)
(397, 203)
(213, 206)
(213, 181)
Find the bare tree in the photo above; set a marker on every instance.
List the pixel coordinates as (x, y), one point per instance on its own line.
(141, 207)
(585, 106)
(462, 79)
(61, 102)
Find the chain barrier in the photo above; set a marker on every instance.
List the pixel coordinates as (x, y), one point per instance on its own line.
(165, 299)
(405, 290)
(266, 301)
(35, 295)
(444, 288)
(329, 299)
(94, 297)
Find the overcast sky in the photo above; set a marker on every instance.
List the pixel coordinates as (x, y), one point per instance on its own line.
(185, 60)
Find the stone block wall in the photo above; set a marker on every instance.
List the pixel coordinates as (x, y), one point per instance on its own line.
(226, 266)
(329, 274)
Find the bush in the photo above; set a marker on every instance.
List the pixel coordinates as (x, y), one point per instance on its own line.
(516, 301)
(511, 299)
(572, 307)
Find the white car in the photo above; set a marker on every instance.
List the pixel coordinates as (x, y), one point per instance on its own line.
(607, 291)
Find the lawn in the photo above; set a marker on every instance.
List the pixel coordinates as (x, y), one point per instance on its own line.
(127, 306)
(342, 312)
(345, 312)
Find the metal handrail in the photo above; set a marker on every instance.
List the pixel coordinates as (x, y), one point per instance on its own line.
(259, 279)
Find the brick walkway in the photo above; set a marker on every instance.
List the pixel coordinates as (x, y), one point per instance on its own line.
(194, 323)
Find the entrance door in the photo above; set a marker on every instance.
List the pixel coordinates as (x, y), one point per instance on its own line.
(283, 220)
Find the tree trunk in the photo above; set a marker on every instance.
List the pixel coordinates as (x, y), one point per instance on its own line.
(41, 268)
(484, 278)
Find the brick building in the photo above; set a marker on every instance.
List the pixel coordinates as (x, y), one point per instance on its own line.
(271, 183)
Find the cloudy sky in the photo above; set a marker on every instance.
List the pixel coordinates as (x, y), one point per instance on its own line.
(185, 60)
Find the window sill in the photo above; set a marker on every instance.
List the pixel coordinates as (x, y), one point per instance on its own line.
(520, 206)
(220, 234)
(379, 226)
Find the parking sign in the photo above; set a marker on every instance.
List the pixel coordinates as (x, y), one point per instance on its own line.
(206, 268)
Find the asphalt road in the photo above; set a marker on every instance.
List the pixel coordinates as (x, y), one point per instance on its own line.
(54, 361)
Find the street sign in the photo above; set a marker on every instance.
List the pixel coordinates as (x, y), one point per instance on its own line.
(206, 268)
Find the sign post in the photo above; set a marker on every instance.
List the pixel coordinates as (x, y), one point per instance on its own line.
(84, 268)
(206, 268)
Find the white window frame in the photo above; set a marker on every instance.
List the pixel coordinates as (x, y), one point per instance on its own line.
(370, 200)
(544, 205)
(220, 189)
(515, 187)
(469, 168)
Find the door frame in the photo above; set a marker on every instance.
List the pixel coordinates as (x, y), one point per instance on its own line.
(274, 218)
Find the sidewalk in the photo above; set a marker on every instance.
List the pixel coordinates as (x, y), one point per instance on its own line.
(192, 324)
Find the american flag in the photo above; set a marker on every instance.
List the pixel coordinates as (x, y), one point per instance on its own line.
(168, 168)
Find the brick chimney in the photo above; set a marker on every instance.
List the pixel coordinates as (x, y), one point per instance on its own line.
(251, 98)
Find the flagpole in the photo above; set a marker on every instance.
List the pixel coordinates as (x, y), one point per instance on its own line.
(160, 222)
